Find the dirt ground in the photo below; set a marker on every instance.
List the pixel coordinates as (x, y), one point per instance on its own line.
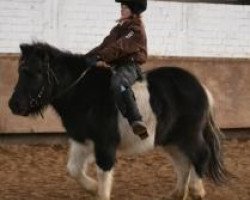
(39, 173)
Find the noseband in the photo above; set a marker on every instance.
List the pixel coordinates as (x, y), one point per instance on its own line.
(34, 101)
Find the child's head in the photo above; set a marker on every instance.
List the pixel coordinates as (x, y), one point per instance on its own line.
(132, 7)
(126, 12)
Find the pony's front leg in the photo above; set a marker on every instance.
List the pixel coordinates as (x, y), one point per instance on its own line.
(105, 180)
(105, 160)
(80, 156)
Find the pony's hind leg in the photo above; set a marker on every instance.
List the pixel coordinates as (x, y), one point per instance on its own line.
(196, 188)
(182, 167)
(80, 156)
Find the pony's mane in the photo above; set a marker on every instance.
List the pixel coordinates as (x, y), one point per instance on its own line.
(52, 50)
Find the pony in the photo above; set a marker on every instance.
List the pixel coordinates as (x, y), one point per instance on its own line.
(176, 107)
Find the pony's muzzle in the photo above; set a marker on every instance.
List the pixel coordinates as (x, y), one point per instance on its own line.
(17, 107)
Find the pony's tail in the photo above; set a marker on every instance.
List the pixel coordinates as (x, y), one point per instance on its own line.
(212, 135)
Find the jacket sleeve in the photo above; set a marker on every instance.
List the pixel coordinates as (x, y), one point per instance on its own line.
(93, 51)
(126, 45)
(107, 39)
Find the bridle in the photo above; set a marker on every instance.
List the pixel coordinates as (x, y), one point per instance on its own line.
(35, 101)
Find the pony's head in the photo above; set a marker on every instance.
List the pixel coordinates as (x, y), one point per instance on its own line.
(33, 90)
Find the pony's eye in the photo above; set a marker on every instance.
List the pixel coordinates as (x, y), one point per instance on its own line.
(40, 71)
(26, 71)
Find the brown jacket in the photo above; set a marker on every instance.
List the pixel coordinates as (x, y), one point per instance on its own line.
(126, 41)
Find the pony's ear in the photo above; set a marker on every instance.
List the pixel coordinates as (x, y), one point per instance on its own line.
(26, 48)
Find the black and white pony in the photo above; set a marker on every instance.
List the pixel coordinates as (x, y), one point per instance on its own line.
(175, 106)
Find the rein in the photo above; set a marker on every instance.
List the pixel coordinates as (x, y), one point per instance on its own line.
(83, 74)
(75, 82)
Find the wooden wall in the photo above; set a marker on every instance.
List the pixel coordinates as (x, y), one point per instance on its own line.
(227, 79)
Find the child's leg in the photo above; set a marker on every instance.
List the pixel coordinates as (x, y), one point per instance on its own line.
(121, 83)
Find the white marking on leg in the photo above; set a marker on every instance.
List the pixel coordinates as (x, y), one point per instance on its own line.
(182, 167)
(105, 180)
(80, 156)
(196, 188)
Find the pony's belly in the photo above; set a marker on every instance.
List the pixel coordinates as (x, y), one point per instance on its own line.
(131, 143)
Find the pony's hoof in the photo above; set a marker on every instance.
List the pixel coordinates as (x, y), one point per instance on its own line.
(102, 198)
(91, 187)
(175, 196)
(196, 197)
(91, 191)
(197, 194)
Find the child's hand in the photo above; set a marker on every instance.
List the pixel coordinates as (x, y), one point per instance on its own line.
(102, 64)
(91, 61)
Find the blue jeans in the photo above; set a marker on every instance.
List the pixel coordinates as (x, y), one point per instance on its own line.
(123, 78)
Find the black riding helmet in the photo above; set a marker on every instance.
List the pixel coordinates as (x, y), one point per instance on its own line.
(136, 6)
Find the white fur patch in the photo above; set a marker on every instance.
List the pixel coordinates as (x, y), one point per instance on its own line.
(210, 97)
(182, 167)
(105, 180)
(196, 187)
(80, 156)
(131, 143)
